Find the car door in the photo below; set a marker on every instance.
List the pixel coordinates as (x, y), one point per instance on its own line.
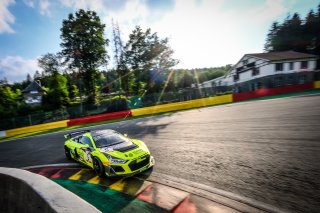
(76, 145)
(84, 150)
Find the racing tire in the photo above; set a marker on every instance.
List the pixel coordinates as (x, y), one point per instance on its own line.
(67, 153)
(98, 167)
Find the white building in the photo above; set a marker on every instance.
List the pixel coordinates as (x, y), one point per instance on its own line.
(254, 71)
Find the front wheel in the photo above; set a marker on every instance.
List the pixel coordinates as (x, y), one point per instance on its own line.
(98, 167)
(67, 153)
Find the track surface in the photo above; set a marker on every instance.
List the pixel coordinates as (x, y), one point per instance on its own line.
(265, 150)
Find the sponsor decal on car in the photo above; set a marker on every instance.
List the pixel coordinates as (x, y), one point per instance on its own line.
(107, 149)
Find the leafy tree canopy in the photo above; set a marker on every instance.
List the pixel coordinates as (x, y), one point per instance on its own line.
(84, 47)
(295, 34)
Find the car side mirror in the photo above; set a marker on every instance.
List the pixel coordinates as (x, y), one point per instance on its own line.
(86, 145)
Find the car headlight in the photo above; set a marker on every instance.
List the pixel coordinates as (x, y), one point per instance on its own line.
(114, 160)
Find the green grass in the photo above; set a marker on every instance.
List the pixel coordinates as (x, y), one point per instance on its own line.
(309, 92)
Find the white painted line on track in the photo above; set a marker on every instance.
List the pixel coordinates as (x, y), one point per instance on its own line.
(53, 165)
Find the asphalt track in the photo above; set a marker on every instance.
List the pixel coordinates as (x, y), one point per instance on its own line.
(265, 150)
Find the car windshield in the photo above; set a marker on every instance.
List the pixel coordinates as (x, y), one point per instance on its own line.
(108, 139)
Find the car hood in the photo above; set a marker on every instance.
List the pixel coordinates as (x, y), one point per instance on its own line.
(125, 146)
(128, 150)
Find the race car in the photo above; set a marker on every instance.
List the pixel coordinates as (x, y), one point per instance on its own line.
(108, 152)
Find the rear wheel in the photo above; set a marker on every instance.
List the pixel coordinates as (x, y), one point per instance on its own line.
(67, 153)
(98, 167)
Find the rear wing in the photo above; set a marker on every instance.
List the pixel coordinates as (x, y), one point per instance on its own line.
(72, 134)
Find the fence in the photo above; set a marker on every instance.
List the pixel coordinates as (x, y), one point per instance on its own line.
(136, 102)
(114, 105)
(77, 111)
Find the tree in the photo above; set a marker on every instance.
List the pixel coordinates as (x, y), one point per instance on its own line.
(271, 37)
(57, 95)
(50, 63)
(29, 79)
(145, 51)
(84, 47)
(73, 91)
(37, 75)
(186, 80)
(117, 43)
(125, 81)
(3, 81)
(296, 34)
(8, 101)
(310, 32)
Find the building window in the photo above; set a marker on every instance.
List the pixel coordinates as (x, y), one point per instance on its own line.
(255, 71)
(304, 65)
(259, 85)
(245, 62)
(302, 79)
(278, 81)
(290, 80)
(236, 77)
(291, 66)
(251, 65)
(239, 69)
(270, 83)
(252, 87)
(279, 66)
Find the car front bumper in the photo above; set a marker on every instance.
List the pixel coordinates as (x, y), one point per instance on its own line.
(110, 171)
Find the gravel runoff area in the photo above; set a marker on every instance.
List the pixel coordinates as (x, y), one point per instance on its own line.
(265, 150)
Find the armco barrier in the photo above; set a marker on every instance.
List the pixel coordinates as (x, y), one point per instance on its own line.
(99, 118)
(23, 191)
(316, 85)
(182, 105)
(52, 125)
(272, 91)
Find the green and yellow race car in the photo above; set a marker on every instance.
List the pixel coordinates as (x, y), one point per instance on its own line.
(108, 152)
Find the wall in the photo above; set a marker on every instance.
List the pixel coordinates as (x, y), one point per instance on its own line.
(99, 118)
(272, 91)
(23, 191)
(35, 128)
(182, 105)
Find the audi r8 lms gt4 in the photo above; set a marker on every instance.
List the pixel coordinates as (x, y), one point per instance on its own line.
(108, 152)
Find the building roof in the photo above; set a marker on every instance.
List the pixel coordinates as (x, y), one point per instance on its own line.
(33, 86)
(283, 55)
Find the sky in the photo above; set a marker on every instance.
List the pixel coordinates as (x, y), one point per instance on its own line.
(203, 33)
